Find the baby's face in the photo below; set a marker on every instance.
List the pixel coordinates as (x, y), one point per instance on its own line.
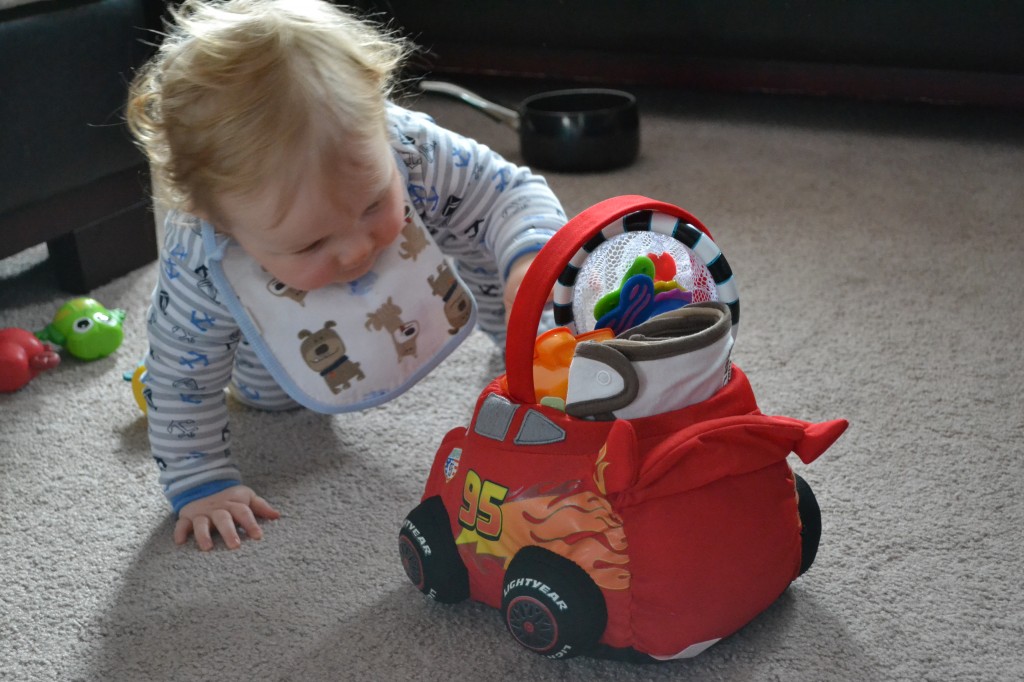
(334, 229)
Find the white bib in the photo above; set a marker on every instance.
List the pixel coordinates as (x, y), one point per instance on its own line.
(349, 346)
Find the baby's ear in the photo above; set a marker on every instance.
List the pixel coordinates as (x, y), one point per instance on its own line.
(329, 323)
(304, 333)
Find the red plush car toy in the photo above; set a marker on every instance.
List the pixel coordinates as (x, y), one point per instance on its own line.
(639, 506)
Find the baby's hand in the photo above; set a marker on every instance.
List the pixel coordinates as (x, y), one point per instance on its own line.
(516, 275)
(237, 505)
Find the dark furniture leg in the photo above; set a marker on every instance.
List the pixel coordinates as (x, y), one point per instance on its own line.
(94, 233)
(93, 255)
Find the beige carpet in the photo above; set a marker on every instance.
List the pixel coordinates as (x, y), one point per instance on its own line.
(879, 253)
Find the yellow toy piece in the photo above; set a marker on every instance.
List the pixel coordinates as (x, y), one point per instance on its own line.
(138, 386)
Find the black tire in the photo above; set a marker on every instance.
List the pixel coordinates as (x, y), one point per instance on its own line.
(551, 606)
(810, 522)
(429, 555)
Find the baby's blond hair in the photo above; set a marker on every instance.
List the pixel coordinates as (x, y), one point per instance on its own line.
(243, 90)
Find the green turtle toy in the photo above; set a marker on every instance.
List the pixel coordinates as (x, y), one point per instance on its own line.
(86, 328)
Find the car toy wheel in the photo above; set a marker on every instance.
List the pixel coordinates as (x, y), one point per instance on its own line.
(810, 523)
(429, 555)
(551, 606)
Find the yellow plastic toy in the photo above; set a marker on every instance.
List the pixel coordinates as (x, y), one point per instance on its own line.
(138, 386)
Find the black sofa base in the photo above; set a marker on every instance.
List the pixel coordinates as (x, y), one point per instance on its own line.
(70, 176)
(949, 52)
(93, 233)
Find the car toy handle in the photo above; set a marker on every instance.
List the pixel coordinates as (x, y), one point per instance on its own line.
(548, 266)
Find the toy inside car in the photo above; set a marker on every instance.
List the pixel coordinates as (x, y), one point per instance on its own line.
(618, 493)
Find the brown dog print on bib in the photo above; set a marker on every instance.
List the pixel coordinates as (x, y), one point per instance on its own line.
(324, 353)
(457, 306)
(403, 334)
(279, 288)
(414, 240)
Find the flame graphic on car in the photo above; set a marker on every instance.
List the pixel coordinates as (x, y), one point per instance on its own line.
(568, 520)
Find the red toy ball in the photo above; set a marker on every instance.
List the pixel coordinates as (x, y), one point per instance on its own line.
(22, 357)
(648, 514)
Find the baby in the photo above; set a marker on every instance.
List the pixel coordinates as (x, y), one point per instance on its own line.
(269, 121)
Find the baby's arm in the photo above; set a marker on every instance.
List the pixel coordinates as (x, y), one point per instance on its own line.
(192, 345)
(489, 214)
(525, 215)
